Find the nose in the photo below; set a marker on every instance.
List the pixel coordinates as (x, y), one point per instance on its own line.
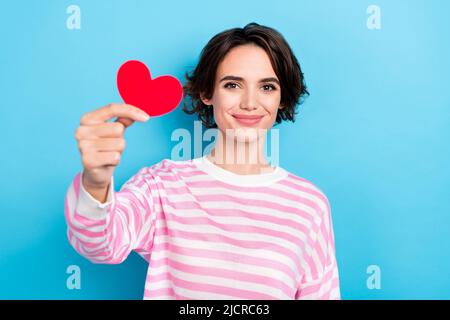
(249, 100)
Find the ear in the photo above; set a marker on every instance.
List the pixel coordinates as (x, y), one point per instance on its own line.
(205, 101)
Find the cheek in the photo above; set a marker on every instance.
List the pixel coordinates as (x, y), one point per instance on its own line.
(227, 100)
(223, 104)
(272, 104)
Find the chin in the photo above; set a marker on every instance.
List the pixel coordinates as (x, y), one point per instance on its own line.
(244, 134)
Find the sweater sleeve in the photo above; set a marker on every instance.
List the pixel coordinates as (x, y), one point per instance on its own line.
(322, 282)
(108, 232)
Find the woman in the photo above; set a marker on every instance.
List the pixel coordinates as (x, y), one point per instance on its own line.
(212, 227)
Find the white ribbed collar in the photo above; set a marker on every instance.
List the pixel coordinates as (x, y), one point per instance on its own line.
(261, 179)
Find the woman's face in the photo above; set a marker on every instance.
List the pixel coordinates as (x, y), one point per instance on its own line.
(246, 94)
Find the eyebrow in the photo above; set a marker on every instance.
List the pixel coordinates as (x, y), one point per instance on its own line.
(235, 78)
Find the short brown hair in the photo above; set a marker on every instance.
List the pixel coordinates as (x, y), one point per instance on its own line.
(285, 64)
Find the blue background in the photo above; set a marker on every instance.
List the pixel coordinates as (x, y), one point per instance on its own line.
(373, 135)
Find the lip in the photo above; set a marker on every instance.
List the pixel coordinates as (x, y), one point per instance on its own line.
(247, 119)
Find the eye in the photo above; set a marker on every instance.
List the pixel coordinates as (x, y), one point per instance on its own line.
(230, 85)
(269, 87)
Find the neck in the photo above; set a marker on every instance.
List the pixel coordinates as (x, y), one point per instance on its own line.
(241, 157)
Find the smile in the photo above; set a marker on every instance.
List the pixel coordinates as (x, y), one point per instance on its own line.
(246, 119)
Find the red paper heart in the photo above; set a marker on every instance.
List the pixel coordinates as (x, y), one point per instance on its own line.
(155, 96)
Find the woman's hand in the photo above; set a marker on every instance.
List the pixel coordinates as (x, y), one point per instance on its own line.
(101, 144)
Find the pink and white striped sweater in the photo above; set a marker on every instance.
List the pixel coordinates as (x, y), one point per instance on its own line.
(208, 233)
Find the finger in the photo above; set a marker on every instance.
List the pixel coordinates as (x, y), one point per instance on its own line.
(102, 145)
(104, 130)
(125, 121)
(113, 110)
(99, 159)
